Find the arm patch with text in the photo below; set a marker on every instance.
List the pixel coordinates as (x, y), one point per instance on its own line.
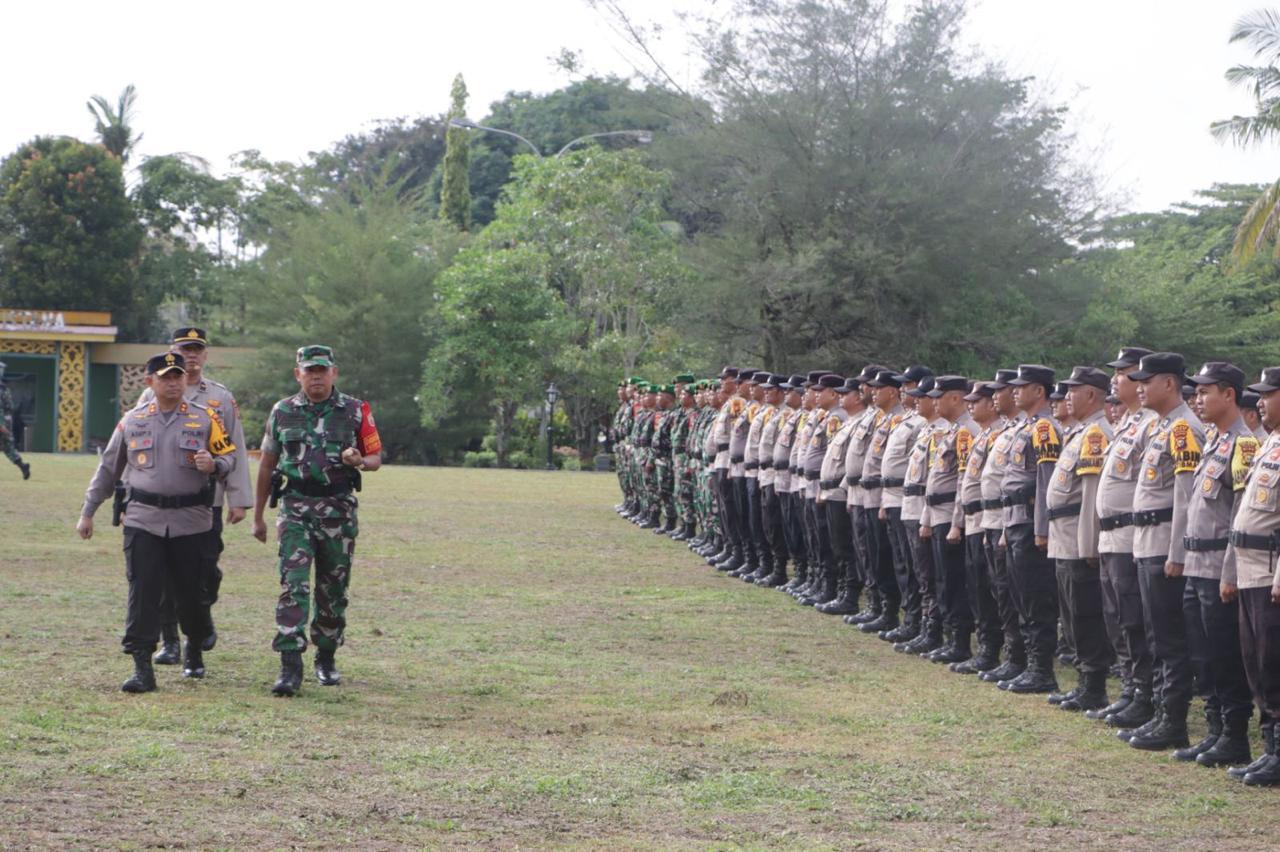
(1046, 441)
(1093, 448)
(1184, 447)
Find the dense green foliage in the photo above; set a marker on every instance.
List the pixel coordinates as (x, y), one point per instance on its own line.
(455, 189)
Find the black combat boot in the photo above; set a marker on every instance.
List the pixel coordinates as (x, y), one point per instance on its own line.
(957, 652)
(984, 659)
(823, 591)
(870, 612)
(651, 519)
(326, 672)
(1232, 747)
(798, 579)
(1171, 732)
(1140, 711)
(842, 604)
(887, 620)
(1090, 695)
(733, 563)
(684, 533)
(1193, 751)
(1008, 670)
(144, 676)
(290, 680)
(212, 639)
(1238, 773)
(193, 664)
(1058, 696)
(779, 576)
(170, 653)
(929, 640)
(25, 467)
(1038, 678)
(1121, 702)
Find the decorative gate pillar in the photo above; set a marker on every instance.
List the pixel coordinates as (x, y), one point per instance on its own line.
(72, 380)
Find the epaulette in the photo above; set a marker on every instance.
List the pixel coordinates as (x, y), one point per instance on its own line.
(1046, 440)
(1184, 447)
(1242, 456)
(1093, 449)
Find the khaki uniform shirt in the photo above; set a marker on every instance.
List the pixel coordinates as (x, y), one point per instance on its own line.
(724, 423)
(1033, 452)
(799, 448)
(1073, 491)
(219, 400)
(1168, 470)
(873, 465)
(1258, 515)
(815, 451)
(948, 455)
(913, 504)
(772, 418)
(836, 429)
(968, 511)
(861, 426)
(759, 414)
(999, 451)
(1119, 479)
(1215, 495)
(155, 452)
(897, 455)
(786, 421)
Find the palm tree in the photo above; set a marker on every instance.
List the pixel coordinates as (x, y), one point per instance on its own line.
(114, 126)
(1261, 30)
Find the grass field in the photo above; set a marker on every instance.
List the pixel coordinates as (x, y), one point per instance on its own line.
(523, 668)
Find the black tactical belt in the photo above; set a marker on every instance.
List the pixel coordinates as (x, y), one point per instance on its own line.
(892, 482)
(972, 507)
(913, 491)
(204, 497)
(1017, 498)
(311, 488)
(722, 448)
(1253, 542)
(753, 465)
(872, 483)
(826, 484)
(1115, 522)
(1153, 518)
(811, 475)
(766, 465)
(940, 499)
(1064, 512)
(995, 503)
(737, 459)
(1204, 545)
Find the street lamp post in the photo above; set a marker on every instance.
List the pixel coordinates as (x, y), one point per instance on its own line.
(643, 137)
(553, 394)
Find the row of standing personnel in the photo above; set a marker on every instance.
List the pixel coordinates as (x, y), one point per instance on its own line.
(1131, 516)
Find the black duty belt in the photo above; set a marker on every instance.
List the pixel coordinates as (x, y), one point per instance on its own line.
(1153, 517)
(737, 459)
(1115, 522)
(753, 465)
(854, 481)
(972, 507)
(722, 448)
(913, 491)
(826, 484)
(1204, 545)
(893, 482)
(311, 488)
(204, 497)
(766, 465)
(940, 499)
(1254, 542)
(995, 503)
(811, 475)
(1017, 498)
(1064, 512)
(872, 483)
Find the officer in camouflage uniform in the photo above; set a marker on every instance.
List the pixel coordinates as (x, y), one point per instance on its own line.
(6, 428)
(618, 437)
(682, 465)
(317, 439)
(641, 440)
(664, 419)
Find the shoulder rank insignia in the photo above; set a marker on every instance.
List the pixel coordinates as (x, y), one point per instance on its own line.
(833, 427)
(964, 444)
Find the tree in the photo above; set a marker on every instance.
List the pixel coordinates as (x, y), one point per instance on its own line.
(455, 191)
(356, 273)
(114, 125)
(863, 190)
(1261, 30)
(69, 237)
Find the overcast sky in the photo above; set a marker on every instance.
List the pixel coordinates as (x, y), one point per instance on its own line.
(1143, 79)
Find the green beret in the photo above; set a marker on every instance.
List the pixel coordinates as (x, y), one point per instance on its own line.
(683, 379)
(671, 389)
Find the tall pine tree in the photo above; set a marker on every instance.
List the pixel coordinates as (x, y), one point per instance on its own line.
(455, 191)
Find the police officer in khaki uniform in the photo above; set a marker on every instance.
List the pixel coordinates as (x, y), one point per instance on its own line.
(730, 557)
(998, 456)
(170, 454)
(807, 574)
(829, 416)
(1159, 516)
(1071, 504)
(913, 518)
(1037, 440)
(835, 489)
(1249, 576)
(1213, 625)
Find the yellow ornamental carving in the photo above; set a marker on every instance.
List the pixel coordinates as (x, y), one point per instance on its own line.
(27, 347)
(132, 383)
(71, 383)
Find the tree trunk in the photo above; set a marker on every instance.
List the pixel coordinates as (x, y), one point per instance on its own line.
(504, 416)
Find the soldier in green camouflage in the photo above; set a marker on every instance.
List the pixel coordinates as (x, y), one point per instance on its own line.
(682, 465)
(6, 428)
(316, 440)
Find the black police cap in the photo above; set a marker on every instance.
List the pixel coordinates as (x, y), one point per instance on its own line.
(831, 380)
(887, 379)
(923, 388)
(1250, 400)
(944, 384)
(870, 371)
(189, 334)
(1220, 373)
(166, 362)
(1059, 392)
(729, 373)
(1002, 379)
(1033, 374)
(795, 382)
(1091, 376)
(1129, 356)
(981, 390)
(915, 373)
(1268, 382)
(1160, 364)
(814, 375)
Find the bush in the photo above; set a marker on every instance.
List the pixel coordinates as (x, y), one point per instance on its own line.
(571, 463)
(480, 459)
(519, 460)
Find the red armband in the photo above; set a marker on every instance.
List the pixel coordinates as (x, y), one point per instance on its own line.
(370, 440)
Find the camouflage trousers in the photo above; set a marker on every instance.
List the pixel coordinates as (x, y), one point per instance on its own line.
(664, 481)
(622, 463)
(9, 450)
(329, 542)
(684, 490)
(708, 514)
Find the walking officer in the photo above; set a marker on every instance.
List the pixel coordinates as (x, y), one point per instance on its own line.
(8, 443)
(318, 439)
(169, 453)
